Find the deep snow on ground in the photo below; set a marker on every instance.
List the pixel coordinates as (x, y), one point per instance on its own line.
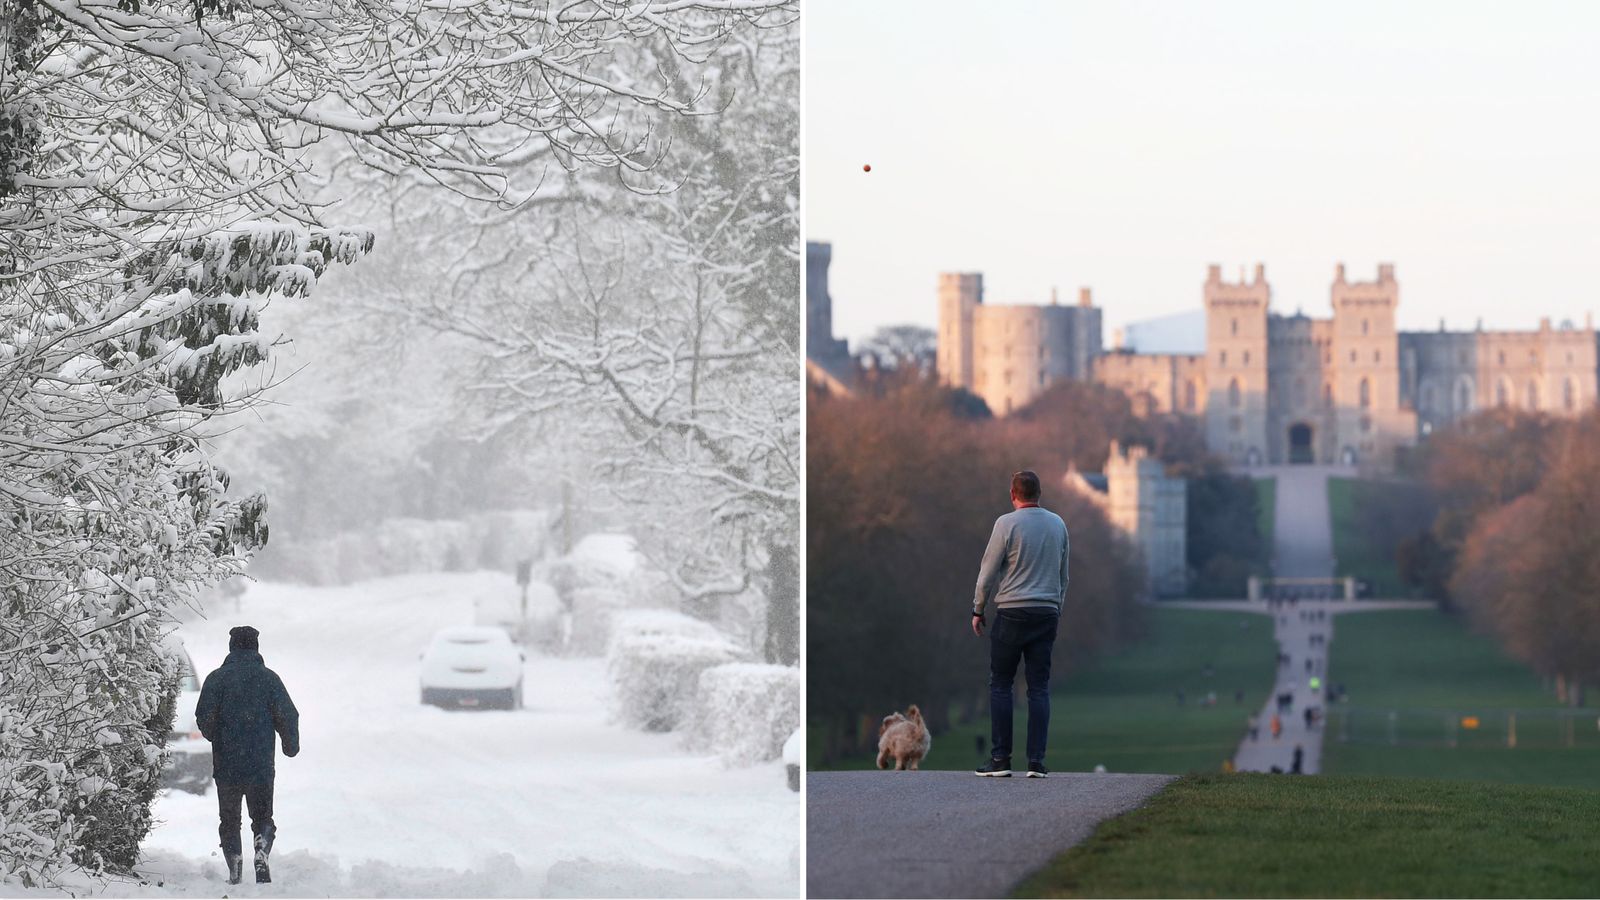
(389, 798)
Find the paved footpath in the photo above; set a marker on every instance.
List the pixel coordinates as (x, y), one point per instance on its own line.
(1302, 547)
(950, 834)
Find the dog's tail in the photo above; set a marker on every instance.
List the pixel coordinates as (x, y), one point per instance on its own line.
(914, 714)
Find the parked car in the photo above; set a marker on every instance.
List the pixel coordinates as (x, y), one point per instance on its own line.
(189, 761)
(792, 749)
(472, 667)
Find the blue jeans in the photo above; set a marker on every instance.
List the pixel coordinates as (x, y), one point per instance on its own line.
(1026, 636)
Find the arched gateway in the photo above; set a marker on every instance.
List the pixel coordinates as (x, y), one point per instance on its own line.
(1300, 444)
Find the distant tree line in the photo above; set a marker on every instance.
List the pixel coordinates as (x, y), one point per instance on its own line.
(904, 481)
(1513, 542)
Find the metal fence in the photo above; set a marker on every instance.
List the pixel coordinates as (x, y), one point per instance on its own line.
(1436, 727)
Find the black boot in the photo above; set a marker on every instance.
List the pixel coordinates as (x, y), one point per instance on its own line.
(235, 867)
(263, 849)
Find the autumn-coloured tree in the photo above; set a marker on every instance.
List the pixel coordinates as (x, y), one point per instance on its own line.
(1529, 570)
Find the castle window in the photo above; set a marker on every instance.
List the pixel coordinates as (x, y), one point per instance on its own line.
(1352, 356)
(1377, 356)
(1366, 393)
(1008, 351)
(1189, 394)
(1533, 395)
(1222, 358)
(1233, 393)
(1501, 393)
(1235, 327)
(1247, 357)
(1464, 396)
(1502, 357)
(1569, 396)
(1008, 376)
(1363, 327)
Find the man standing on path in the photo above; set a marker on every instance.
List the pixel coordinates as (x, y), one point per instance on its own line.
(242, 704)
(1024, 574)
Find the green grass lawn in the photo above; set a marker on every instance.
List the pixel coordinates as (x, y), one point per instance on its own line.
(1321, 836)
(1122, 711)
(1357, 555)
(1432, 671)
(1266, 516)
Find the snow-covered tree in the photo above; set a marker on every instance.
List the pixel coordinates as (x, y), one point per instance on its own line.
(667, 319)
(157, 190)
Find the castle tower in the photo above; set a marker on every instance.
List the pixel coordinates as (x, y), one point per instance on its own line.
(1236, 366)
(819, 306)
(960, 294)
(822, 348)
(1365, 369)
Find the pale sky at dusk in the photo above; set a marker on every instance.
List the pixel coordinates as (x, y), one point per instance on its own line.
(1126, 145)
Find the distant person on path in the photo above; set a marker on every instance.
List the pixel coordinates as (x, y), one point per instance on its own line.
(1255, 727)
(1299, 754)
(242, 704)
(1277, 726)
(1024, 575)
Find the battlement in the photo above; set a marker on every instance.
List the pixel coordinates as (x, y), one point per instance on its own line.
(1255, 291)
(1383, 292)
(961, 281)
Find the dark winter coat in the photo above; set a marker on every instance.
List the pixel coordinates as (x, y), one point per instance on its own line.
(241, 705)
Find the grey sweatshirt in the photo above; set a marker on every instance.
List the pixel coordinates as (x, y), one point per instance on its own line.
(1025, 563)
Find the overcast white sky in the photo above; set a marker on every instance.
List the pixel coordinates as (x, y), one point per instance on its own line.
(1125, 145)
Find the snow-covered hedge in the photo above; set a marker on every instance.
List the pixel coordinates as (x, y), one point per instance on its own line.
(743, 712)
(592, 612)
(654, 676)
(629, 623)
(495, 540)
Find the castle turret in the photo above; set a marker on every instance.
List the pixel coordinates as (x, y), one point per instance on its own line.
(960, 294)
(1365, 368)
(1236, 365)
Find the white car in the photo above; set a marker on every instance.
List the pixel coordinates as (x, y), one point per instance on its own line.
(472, 667)
(189, 762)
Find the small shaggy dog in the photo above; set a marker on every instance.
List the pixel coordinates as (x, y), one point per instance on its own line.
(904, 738)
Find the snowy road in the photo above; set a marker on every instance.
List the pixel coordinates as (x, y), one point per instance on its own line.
(389, 798)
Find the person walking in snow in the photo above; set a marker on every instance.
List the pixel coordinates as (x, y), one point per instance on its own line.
(1024, 575)
(242, 705)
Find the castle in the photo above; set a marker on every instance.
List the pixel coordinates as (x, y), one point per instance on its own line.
(1274, 389)
(1147, 505)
